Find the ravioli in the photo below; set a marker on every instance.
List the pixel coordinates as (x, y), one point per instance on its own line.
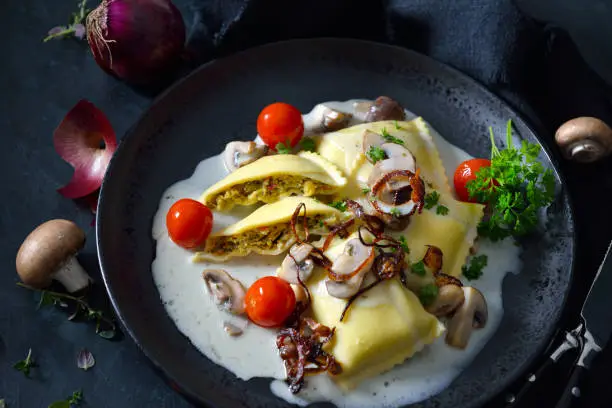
(273, 177)
(344, 148)
(267, 230)
(382, 328)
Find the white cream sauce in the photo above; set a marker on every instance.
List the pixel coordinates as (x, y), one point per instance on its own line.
(253, 354)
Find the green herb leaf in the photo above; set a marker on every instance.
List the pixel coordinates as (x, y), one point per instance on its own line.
(397, 126)
(308, 144)
(404, 244)
(473, 269)
(427, 294)
(516, 186)
(442, 210)
(75, 399)
(105, 326)
(25, 365)
(339, 205)
(365, 190)
(431, 199)
(418, 268)
(282, 148)
(376, 153)
(395, 212)
(390, 138)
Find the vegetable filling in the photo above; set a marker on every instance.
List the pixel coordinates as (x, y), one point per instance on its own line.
(268, 190)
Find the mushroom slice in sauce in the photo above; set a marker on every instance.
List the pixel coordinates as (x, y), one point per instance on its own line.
(348, 269)
(297, 261)
(371, 139)
(472, 314)
(232, 329)
(403, 201)
(226, 291)
(326, 119)
(398, 158)
(238, 154)
(450, 298)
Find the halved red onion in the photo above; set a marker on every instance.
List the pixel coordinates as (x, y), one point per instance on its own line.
(86, 140)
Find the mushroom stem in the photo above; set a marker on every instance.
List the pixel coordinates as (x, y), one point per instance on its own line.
(72, 276)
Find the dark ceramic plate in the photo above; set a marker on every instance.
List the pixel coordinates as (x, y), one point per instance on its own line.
(220, 102)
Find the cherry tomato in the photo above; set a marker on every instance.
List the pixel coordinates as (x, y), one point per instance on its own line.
(465, 172)
(280, 123)
(189, 223)
(269, 301)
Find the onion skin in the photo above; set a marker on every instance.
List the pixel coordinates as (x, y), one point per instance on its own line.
(77, 140)
(138, 41)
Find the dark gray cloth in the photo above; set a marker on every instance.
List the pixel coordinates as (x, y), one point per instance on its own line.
(534, 66)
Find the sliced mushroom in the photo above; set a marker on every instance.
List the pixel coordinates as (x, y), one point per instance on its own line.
(371, 139)
(403, 202)
(328, 119)
(232, 329)
(296, 262)
(449, 299)
(584, 139)
(399, 158)
(238, 154)
(227, 292)
(350, 268)
(385, 108)
(472, 314)
(300, 293)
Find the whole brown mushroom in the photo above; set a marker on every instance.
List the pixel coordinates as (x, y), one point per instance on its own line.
(584, 139)
(49, 253)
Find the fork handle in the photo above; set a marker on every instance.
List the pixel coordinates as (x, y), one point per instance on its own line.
(572, 391)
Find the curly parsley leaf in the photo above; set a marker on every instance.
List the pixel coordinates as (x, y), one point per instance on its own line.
(473, 269)
(376, 154)
(390, 138)
(308, 144)
(442, 210)
(404, 244)
(26, 364)
(431, 199)
(397, 125)
(339, 205)
(283, 148)
(418, 268)
(516, 186)
(427, 294)
(365, 190)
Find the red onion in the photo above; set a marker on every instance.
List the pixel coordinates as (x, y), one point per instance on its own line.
(78, 140)
(136, 40)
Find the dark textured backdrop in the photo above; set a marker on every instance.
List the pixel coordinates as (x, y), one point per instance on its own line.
(534, 64)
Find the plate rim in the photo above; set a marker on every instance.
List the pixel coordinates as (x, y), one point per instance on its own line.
(532, 124)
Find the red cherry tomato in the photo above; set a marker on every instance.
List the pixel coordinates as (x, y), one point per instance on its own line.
(269, 301)
(189, 223)
(280, 123)
(465, 172)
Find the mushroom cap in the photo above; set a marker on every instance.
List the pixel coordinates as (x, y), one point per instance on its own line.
(450, 297)
(472, 314)
(584, 139)
(385, 108)
(46, 249)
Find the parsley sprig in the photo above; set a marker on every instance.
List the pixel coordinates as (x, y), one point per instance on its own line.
(339, 205)
(418, 268)
(431, 200)
(427, 294)
(473, 269)
(376, 153)
(26, 364)
(390, 138)
(105, 326)
(283, 148)
(75, 399)
(76, 27)
(515, 187)
(308, 144)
